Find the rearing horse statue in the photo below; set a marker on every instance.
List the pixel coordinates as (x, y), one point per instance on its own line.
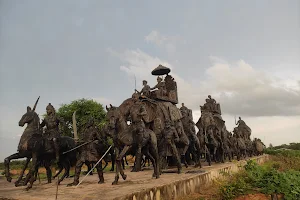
(33, 128)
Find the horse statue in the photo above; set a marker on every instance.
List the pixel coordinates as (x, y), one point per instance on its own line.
(124, 138)
(34, 145)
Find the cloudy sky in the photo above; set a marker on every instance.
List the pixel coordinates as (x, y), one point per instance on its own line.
(246, 54)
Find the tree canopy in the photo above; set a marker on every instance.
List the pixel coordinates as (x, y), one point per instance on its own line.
(85, 109)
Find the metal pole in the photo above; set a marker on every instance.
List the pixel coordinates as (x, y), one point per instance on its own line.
(94, 166)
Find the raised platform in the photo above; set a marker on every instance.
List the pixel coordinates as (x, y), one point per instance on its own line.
(138, 186)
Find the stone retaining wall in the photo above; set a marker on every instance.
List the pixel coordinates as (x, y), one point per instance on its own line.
(187, 186)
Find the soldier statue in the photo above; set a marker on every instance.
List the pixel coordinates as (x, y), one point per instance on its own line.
(138, 128)
(52, 132)
(145, 90)
(161, 86)
(89, 152)
(171, 137)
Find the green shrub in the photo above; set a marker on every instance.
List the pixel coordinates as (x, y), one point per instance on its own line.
(281, 175)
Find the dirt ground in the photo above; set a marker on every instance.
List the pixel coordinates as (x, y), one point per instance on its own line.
(90, 189)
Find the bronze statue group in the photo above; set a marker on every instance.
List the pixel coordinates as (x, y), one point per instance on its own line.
(148, 126)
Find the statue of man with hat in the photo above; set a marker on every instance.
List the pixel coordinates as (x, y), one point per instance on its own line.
(161, 87)
(145, 90)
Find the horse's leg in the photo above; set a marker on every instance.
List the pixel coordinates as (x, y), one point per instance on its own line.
(138, 159)
(143, 162)
(78, 167)
(123, 163)
(113, 160)
(66, 166)
(154, 157)
(125, 158)
(197, 154)
(207, 155)
(59, 171)
(118, 166)
(32, 170)
(183, 159)
(49, 172)
(215, 154)
(100, 173)
(147, 153)
(120, 157)
(7, 161)
(106, 163)
(17, 183)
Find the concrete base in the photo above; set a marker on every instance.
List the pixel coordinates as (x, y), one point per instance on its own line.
(190, 185)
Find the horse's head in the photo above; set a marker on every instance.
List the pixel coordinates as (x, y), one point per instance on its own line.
(112, 116)
(29, 117)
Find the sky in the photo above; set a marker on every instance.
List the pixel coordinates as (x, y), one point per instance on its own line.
(246, 54)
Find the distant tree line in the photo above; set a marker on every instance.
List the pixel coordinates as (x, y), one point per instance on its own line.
(293, 146)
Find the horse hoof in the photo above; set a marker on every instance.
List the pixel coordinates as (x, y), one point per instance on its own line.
(134, 170)
(114, 183)
(101, 181)
(72, 184)
(28, 188)
(111, 170)
(124, 177)
(8, 179)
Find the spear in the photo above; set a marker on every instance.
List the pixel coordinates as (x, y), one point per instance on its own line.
(134, 82)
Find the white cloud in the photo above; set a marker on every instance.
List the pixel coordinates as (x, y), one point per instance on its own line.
(167, 42)
(268, 104)
(240, 88)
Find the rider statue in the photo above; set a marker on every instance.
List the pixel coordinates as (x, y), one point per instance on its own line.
(211, 104)
(89, 152)
(240, 122)
(145, 90)
(161, 86)
(171, 137)
(52, 132)
(211, 100)
(183, 108)
(243, 126)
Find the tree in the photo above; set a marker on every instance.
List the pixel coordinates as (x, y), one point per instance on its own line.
(84, 110)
